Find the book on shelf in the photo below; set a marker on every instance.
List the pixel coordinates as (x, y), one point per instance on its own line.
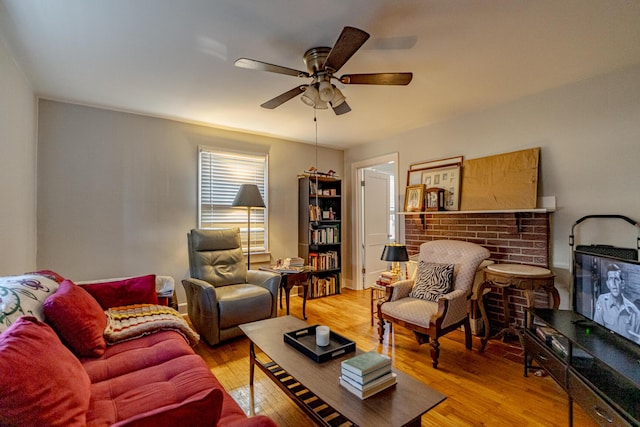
(360, 381)
(363, 394)
(322, 286)
(364, 363)
(323, 261)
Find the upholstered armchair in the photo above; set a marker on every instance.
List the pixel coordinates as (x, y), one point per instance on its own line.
(437, 301)
(221, 292)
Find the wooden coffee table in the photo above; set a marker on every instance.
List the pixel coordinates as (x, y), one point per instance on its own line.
(315, 387)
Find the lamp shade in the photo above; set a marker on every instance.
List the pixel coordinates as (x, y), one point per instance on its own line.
(249, 196)
(325, 91)
(394, 253)
(338, 98)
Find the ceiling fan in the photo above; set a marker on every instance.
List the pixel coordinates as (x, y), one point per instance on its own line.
(322, 63)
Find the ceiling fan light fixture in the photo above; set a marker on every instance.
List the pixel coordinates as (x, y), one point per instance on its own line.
(310, 96)
(325, 90)
(338, 98)
(321, 105)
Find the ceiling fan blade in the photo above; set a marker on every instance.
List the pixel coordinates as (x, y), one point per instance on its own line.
(341, 109)
(282, 98)
(252, 64)
(377, 79)
(350, 40)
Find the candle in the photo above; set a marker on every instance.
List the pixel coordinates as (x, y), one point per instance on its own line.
(322, 336)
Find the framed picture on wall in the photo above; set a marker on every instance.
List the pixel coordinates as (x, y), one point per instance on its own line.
(437, 163)
(448, 178)
(414, 198)
(414, 174)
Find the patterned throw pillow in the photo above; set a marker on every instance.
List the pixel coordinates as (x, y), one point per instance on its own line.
(23, 296)
(432, 281)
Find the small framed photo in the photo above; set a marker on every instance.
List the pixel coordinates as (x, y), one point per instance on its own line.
(414, 198)
(435, 199)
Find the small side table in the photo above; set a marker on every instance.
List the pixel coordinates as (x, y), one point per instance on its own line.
(378, 292)
(169, 301)
(528, 278)
(288, 281)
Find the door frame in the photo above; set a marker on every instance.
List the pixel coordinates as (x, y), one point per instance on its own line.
(356, 233)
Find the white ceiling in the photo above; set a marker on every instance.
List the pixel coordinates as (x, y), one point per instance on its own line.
(174, 59)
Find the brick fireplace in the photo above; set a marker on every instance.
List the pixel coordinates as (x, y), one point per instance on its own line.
(520, 237)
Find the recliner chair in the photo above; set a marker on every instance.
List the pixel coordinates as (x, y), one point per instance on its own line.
(221, 292)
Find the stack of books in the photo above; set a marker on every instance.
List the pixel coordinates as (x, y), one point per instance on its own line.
(367, 374)
(294, 262)
(288, 265)
(387, 278)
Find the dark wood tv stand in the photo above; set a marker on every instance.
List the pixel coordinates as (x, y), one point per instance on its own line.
(598, 369)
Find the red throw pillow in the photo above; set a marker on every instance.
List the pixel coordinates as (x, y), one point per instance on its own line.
(41, 382)
(136, 290)
(78, 319)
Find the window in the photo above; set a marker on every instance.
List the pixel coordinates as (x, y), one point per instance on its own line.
(220, 176)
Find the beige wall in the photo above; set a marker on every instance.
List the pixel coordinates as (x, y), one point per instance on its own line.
(117, 192)
(17, 168)
(589, 133)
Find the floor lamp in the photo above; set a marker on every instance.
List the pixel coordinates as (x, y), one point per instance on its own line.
(248, 196)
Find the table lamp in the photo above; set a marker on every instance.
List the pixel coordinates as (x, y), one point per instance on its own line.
(248, 196)
(395, 253)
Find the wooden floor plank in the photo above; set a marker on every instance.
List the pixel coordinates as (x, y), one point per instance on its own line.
(482, 389)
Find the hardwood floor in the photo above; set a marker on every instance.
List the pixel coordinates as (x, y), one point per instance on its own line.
(482, 389)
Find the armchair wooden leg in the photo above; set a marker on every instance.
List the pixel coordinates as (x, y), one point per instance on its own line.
(435, 352)
(380, 328)
(467, 332)
(421, 338)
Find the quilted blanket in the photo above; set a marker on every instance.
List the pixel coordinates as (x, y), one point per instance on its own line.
(133, 321)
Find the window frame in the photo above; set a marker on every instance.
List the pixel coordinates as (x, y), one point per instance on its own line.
(240, 223)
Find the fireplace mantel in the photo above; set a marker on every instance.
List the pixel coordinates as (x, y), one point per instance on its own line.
(497, 211)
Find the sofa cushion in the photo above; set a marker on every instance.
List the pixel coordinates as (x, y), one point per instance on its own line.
(134, 290)
(23, 296)
(129, 356)
(433, 280)
(153, 380)
(41, 381)
(77, 318)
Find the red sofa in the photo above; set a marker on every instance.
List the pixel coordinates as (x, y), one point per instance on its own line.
(57, 366)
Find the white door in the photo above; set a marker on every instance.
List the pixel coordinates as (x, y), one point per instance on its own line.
(376, 212)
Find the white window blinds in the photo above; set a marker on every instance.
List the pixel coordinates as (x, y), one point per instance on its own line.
(220, 176)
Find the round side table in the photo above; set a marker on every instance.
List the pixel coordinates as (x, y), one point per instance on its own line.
(527, 278)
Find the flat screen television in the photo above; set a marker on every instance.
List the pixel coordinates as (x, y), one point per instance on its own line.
(607, 292)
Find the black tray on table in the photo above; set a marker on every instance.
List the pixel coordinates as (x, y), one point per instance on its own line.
(304, 340)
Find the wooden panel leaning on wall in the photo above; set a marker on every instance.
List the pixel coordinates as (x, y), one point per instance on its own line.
(504, 181)
(482, 389)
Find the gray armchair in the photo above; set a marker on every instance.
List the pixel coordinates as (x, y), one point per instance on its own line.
(221, 292)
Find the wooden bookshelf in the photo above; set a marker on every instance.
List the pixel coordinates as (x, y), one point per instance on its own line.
(320, 232)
